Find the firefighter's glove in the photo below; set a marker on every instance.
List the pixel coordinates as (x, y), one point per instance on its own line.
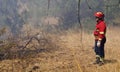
(98, 43)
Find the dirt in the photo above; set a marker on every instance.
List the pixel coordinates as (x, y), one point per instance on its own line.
(70, 56)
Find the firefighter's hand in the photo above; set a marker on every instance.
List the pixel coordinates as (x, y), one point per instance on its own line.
(98, 43)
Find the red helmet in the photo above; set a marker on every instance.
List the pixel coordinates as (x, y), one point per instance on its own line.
(99, 14)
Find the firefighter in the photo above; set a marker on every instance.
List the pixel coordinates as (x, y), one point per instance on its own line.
(100, 38)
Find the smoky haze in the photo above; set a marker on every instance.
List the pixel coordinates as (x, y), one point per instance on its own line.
(61, 14)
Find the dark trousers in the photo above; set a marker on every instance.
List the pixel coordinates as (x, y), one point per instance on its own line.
(100, 50)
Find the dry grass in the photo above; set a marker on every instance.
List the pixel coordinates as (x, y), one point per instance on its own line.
(66, 49)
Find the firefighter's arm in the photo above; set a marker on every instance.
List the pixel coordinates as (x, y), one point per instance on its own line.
(101, 34)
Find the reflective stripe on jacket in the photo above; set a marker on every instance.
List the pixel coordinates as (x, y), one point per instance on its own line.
(100, 30)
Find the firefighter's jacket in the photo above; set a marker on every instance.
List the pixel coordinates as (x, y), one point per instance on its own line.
(100, 30)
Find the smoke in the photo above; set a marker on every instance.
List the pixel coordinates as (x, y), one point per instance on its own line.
(62, 14)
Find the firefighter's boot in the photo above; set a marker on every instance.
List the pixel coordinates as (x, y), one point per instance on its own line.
(101, 62)
(97, 60)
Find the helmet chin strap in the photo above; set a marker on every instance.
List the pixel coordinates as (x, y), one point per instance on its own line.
(99, 19)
